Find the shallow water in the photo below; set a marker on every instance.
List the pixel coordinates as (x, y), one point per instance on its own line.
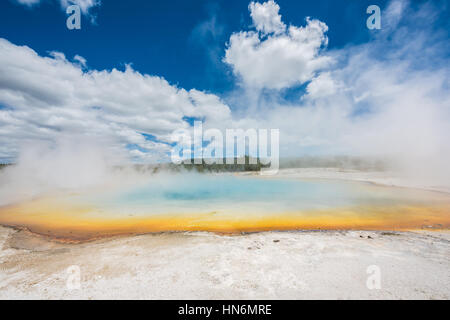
(228, 203)
(202, 193)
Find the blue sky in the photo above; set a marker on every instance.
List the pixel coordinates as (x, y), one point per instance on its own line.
(327, 82)
(166, 38)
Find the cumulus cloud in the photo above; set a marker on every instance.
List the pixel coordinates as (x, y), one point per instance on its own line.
(284, 58)
(266, 18)
(322, 85)
(44, 97)
(82, 61)
(386, 99)
(85, 5)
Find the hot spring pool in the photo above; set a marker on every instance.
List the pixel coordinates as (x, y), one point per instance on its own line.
(226, 203)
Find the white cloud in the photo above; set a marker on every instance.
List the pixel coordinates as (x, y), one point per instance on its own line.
(387, 98)
(47, 96)
(322, 85)
(28, 2)
(82, 61)
(285, 58)
(85, 5)
(266, 18)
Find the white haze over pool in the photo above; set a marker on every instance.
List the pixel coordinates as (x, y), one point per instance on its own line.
(77, 190)
(191, 193)
(74, 132)
(386, 98)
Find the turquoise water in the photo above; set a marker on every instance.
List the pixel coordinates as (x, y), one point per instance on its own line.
(206, 193)
(226, 203)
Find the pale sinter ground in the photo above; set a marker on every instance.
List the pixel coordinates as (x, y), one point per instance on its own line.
(268, 265)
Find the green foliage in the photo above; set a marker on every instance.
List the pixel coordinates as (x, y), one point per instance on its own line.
(224, 167)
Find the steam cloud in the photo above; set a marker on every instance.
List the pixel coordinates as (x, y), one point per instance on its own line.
(387, 99)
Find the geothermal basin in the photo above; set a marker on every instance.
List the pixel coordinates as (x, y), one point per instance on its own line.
(226, 204)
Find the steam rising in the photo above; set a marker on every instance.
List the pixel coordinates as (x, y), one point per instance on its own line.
(384, 100)
(71, 163)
